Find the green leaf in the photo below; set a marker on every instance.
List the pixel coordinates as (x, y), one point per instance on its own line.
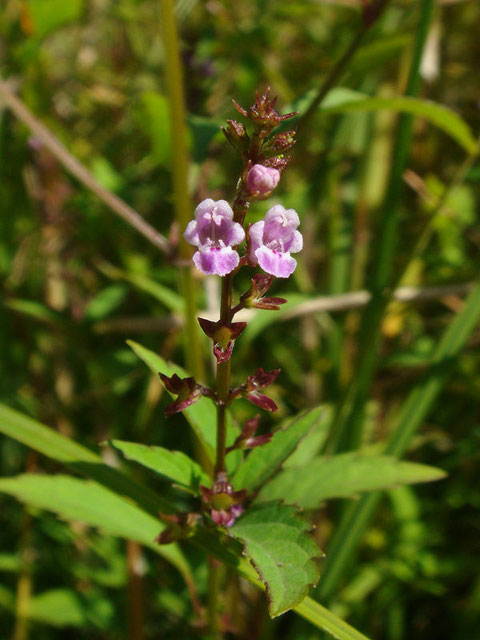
(34, 309)
(105, 302)
(310, 447)
(82, 460)
(262, 320)
(342, 100)
(342, 476)
(58, 447)
(47, 15)
(278, 545)
(413, 412)
(67, 608)
(203, 131)
(155, 121)
(263, 461)
(84, 500)
(325, 619)
(174, 465)
(201, 416)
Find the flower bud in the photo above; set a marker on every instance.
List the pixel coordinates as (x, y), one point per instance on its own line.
(254, 296)
(261, 181)
(223, 336)
(224, 503)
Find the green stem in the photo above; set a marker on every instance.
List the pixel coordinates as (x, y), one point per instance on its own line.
(347, 428)
(180, 165)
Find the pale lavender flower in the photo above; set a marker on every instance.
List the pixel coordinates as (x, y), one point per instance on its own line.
(261, 181)
(273, 239)
(214, 233)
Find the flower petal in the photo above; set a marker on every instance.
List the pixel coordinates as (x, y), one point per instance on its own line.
(278, 211)
(281, 265)
(191, 234)
(237, 234)
(255, 234)
(213, 260)
(297, 244)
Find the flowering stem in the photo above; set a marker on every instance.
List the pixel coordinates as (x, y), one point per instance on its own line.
(223, 378)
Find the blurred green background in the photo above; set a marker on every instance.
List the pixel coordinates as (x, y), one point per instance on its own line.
(77, 282)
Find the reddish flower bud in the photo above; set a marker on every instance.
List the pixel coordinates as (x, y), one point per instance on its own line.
(222, 335)
(262, 113)
(187, 390)
(253, 297)
(247, 439)
(250, 389)
(223, 501)
(260, 380)
(279, 143)
(236, 134)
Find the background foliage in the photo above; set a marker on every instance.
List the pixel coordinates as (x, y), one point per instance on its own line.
(78, 282)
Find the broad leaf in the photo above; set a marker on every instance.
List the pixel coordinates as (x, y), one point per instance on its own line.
(202, 416)
(263, 461)
(342, 476)
(310, 447)
(84, 500)
(278, 544)
(58, 447)
(68, 608)
(174, 465)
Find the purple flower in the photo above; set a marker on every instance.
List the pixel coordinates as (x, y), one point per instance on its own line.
(273, 239)
(214, 233)
(261, 181)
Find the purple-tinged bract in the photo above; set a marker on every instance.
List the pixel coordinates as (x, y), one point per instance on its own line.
(273, 239)
(214, 233)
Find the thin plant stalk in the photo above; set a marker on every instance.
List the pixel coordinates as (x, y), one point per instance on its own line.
(342, 64)
(180, 164)
(347, 428)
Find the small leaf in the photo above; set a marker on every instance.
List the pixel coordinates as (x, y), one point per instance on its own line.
(174, 465)
(342, 476)
(263, 461)
(105, 302)
(278, 544)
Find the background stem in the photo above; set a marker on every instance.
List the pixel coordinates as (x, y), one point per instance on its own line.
(180, 165)
(347, 427)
